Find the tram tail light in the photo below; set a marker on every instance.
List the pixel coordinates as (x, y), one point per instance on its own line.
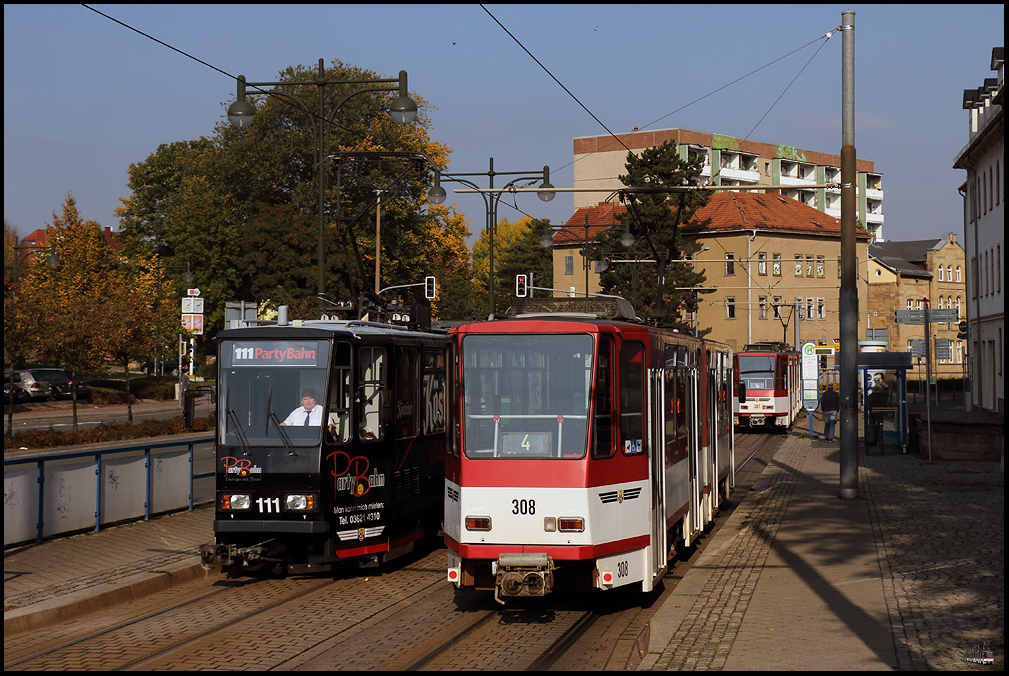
(571, 524)
(478, 523)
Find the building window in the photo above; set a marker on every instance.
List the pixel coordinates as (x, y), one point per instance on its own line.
(821, 309)
(809, 265)
(776, 304)
(809, 308)
(776, 264)
(762, 308)
(798, 308)
(762, 264)
(569, 265)
(910, 306)
(940, 274)
(958, 273)
(949, 273)
(730, 307)
(839, 267)
(819, 267)
(730, 264)
(798, 265)
(959, 352)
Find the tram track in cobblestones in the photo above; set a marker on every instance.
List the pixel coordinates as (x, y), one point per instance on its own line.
(403, 618)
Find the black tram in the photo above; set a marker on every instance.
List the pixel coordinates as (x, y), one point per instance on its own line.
(330, 444)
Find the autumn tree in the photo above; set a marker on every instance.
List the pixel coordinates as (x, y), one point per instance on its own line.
(654, 218)
(242, 205)
(21, 314)
(516, 250)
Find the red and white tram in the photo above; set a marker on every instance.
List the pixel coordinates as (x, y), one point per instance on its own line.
(584, 450)
(769, 387)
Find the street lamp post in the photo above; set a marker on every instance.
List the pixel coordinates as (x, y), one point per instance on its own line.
(403, 110)
(547, 240)
(437, 195)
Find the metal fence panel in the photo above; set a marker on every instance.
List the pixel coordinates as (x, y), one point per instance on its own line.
(124, 486)
(169, 480)
(21, 503)
(68, 499)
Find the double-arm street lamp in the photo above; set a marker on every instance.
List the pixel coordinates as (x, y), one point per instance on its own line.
(403, 110)
(547, 241)
(546, 193)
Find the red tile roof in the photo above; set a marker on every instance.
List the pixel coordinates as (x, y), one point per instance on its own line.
(727, 211)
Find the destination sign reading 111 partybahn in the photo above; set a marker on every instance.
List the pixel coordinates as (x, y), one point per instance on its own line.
(279, 353)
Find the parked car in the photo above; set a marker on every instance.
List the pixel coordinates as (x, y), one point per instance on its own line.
(20, 396)
(169, 367)
(52, 384)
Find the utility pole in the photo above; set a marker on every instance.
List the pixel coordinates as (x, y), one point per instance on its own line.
(848, 297)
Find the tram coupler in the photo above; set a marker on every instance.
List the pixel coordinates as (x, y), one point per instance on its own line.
(523, 575)
(215, 554)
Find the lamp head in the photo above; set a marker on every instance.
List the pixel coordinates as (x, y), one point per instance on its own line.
(403, 110)
(546, 196)
(241, 113)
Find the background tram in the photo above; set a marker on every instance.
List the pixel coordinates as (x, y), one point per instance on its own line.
(769, 386)
(583, 451)
(359, 483)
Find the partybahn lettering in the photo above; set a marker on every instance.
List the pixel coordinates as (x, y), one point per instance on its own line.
(296, 355)
(351, 475)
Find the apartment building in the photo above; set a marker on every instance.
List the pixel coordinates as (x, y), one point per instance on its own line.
(983, 192)
(599, 160)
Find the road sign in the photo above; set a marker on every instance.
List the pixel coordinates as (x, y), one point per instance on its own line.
(810, 378)
(917, 347)
(929, 315)
(943, 349)
(193, 323)
(192, 292)
(192, 306)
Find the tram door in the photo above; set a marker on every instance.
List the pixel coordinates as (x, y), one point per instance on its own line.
(657, 469)
(711, 432)
(694, 453)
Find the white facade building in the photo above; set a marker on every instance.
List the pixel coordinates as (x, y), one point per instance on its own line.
(984, 236)
(599, 161)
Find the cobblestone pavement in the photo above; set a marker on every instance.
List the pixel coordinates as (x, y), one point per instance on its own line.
(940, 531)
(909, 576)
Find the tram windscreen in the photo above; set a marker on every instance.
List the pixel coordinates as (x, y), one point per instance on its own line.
(272, 392)
(757, 371)
(526, 396)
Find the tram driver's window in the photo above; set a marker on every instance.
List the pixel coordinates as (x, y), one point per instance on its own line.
(372, 364)
(340, 396)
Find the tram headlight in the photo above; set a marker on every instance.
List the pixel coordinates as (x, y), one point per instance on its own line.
(236, 501)
(300, 502)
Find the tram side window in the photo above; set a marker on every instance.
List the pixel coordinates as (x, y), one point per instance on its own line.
(372, 362)
(406, 392)
(340, 396)
(434, 395)
(669, 408)
(632, 381)
(602, 428)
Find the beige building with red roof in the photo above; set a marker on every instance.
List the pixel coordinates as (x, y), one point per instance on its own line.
(763, 255)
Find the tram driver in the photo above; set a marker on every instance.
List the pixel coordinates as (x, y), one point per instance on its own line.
(309, 413)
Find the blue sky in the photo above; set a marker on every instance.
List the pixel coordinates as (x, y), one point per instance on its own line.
(84, 96)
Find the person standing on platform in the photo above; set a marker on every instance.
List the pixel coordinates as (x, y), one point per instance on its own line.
(830, 404)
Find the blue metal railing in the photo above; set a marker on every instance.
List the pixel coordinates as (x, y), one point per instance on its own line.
(41, 460)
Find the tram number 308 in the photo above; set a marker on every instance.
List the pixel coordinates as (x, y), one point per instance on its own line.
(623, 569)
(523, 506)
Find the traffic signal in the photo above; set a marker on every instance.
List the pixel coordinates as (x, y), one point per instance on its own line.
(962, 329)
(521, 286)
(430, 288)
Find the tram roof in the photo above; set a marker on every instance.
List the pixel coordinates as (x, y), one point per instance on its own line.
(323, 328)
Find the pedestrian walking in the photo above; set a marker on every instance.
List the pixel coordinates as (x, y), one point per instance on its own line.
(830, 404)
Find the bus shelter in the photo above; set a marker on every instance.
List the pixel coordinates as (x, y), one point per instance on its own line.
(884, 397)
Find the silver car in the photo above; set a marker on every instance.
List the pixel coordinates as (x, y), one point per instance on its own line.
(51, 384)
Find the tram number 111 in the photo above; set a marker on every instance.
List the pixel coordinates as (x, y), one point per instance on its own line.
(272, 505)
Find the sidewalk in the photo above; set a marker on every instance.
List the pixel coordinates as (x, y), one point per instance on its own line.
(908, 576)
